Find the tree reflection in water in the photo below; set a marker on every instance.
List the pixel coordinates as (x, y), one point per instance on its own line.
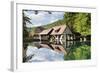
(70, 50)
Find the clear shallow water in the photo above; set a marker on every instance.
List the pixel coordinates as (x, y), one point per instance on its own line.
(72, 50)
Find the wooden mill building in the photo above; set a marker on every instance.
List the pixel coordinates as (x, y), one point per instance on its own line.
(56, 33)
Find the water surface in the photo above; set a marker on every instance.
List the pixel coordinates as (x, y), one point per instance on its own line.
(44, 51)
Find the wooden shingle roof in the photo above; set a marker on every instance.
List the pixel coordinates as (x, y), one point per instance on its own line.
(47, 31)
(57, 30)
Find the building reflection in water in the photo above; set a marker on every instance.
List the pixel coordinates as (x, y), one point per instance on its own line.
(46, 51)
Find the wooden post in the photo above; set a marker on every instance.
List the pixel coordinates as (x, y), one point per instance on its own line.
(66, 40)
(80, 39)
(84, 39)
(40, 38)
(71, 38)
(68, 37)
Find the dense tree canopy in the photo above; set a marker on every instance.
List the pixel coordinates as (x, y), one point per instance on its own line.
(82, 24)
(69, 18)
(79, 22)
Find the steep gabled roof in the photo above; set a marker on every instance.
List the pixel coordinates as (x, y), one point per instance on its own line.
(57, 30)
(47, 31)
(60, 30)
(68, 30)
